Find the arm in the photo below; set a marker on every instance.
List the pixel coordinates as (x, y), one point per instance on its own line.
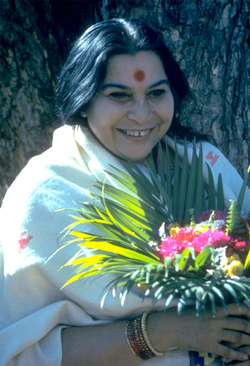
(107, 345)
(104, 345)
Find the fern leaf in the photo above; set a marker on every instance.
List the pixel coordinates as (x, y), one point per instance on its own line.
(234, 224)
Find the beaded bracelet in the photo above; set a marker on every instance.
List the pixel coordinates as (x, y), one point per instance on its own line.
(138, 340)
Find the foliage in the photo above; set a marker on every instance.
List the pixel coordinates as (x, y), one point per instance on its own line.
(129, 218)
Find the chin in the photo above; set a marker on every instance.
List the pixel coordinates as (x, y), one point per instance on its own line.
(137, 159)
(139, 156)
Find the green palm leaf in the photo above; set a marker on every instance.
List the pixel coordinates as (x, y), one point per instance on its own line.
(191, 186)
(129, 218)
(211, 190)
(243, 190)
(199, 204)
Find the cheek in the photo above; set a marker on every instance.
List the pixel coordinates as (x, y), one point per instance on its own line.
(169, 110)
(101, 123)
(167, 117)
(106, 113)
(164, 129)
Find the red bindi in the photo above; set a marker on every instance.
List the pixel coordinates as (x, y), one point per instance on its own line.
(139, 75)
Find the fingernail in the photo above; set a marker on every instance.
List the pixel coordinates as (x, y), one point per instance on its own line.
(245, 357)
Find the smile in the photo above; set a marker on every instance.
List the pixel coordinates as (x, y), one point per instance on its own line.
(136, 133)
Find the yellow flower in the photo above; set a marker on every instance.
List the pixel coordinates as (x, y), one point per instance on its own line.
(235, 268)
(173, 228)
(173, 231)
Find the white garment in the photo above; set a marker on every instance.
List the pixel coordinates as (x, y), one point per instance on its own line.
(33, 309)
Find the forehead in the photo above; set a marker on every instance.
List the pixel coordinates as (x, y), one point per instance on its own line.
(144, 65)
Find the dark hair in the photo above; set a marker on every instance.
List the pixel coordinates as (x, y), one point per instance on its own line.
(85, 69)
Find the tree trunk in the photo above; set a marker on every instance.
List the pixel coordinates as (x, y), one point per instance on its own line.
(209, 39)
(26, 89)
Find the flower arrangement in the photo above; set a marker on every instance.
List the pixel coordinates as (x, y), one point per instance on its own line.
(213, 231)
(206, 259)
(210, 250)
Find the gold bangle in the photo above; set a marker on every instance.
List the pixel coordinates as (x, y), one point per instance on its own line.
(145, 335)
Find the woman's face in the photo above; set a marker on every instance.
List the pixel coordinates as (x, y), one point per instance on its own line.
(134, 107)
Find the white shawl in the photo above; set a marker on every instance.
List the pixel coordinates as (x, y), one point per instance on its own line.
(33, 309)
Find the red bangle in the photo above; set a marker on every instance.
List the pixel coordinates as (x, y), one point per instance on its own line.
(138, 340)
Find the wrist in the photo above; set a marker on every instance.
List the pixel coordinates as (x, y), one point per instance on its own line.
(160, 330)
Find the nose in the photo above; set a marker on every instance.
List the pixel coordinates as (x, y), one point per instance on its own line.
(140, 111)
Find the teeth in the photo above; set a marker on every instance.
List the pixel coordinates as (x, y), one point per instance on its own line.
(137, 133)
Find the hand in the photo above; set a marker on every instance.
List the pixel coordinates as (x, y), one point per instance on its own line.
(207, 334)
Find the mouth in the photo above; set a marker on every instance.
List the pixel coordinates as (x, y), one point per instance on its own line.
(134, 133)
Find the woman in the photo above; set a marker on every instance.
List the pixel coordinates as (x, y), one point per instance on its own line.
(123, 88)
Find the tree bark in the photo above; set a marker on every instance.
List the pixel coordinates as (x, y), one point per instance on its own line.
(209, 39)
(26, 85)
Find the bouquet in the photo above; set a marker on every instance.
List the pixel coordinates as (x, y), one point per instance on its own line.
(157, 235)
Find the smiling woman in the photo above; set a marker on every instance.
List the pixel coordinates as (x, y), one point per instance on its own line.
(117, 96)
(128, 117)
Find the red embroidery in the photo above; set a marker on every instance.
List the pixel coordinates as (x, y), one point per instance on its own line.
(22, 242)
(212, 157)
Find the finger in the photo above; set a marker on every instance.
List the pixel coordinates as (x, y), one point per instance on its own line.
(230, 354)
(235, 339)
(245, 349)
(235, 323)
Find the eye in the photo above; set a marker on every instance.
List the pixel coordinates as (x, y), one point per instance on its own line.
(120, 96)
(156, 93)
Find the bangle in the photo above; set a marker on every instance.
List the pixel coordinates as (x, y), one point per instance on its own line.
(137, 338)
(145, 335)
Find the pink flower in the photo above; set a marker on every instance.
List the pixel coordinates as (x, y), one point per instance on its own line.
(216, 238)
(187, 238)
(174, 245)
(169, 247)
(219, 239)
(239, 244)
